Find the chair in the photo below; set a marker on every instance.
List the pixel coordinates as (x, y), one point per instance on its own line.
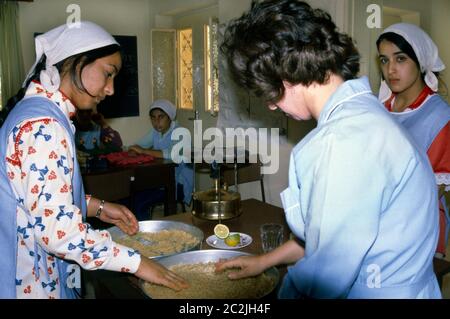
(119, 185)
(147, 183)
(158, 199)
(246, 173)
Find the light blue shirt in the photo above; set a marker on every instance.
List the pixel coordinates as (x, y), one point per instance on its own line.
(184, 174)
(158, 141)
(364, 200)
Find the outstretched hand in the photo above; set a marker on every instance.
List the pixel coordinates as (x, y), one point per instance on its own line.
(121, 217)
(154, 272)
(249, 266)
(136, 149)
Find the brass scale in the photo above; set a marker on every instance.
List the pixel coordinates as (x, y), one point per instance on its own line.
(218, 203)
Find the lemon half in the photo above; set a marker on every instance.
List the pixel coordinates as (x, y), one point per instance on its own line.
(221, 231)
(233, 240)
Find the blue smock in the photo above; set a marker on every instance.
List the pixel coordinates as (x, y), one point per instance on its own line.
(184, 174)
(28, 108)
(364, 200)
(424, 125)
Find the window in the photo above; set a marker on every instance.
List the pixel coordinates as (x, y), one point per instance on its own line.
(164, 64)
(211, 67)
(185, 74)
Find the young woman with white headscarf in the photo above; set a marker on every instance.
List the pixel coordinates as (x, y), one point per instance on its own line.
(410, 64)
(43, 234)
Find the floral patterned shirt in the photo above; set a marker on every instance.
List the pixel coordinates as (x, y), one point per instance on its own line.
(40, 163)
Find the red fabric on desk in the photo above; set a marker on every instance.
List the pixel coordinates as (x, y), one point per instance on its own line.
(124, 159)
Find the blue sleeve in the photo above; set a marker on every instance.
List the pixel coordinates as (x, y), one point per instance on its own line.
(167, 152)
(343, 195)
(147, 140)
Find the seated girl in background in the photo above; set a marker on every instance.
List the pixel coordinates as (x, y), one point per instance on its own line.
(158, 143)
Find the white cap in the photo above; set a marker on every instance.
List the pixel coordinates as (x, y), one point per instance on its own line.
(166, 106)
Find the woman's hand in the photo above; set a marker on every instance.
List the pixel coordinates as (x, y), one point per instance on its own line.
(155, 273)
(136, 149)
(249, 266)
(120, 216)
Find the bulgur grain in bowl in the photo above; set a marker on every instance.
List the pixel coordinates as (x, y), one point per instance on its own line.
(157, 239)
(198, 268)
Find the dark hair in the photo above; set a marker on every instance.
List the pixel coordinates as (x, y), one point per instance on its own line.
(70, 65)
(289, 41)
(401, 43)
(157, 108)
(405, 47)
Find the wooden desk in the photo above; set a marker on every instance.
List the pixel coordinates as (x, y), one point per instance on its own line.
(255, 213)
(111, 183)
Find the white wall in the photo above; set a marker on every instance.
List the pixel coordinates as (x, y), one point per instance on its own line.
(424, 7)
(365, 39)
(230, 9)
(116, 16)
(176, 7)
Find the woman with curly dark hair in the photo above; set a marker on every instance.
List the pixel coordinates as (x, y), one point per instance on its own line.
(361, 200)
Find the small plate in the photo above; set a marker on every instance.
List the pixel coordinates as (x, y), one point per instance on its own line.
(216, 242)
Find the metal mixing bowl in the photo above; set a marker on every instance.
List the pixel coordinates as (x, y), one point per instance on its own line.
(152, 226)
(205, 256)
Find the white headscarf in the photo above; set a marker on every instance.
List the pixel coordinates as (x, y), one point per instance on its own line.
(425, 50)
(166, 106)
(63, 42)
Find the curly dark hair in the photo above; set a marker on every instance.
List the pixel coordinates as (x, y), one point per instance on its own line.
(286, 40)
